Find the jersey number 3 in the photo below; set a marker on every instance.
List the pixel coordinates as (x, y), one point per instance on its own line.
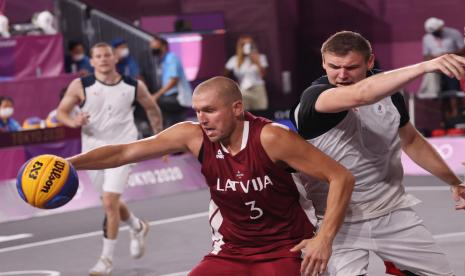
(255, 212)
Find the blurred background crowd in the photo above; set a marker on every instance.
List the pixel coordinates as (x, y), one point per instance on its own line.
(270, 47)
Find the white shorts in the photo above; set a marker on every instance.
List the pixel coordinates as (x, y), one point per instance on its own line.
(399, 237)
(112, 180)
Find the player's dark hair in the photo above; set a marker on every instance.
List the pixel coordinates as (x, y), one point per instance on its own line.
(341, 43)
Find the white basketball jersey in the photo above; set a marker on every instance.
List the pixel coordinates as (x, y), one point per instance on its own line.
(111, 109)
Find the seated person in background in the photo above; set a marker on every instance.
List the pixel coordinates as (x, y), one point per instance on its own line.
(4, 27)
(127, 65)
(249, 68)
(7, 124)
(437, 41)
(77, 61)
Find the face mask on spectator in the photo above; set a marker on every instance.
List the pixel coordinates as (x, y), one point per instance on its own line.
(124, 52)
(6, 112)
(156, 51)
(437, 33)
(78, 57)
(247, 48)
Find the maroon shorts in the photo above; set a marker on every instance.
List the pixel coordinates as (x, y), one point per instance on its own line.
(212, 265)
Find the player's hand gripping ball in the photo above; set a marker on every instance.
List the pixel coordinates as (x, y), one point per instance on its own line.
(47, 181)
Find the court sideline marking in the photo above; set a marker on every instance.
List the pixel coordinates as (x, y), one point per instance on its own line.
(427, 188)
(182, 273)
(24, 272)
(15, 237)
(188, 217)
(99, 233)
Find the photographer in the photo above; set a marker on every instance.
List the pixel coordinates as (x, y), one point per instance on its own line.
(249, 68)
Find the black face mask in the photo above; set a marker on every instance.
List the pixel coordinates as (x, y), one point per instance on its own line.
(437, 33)
(156, 51)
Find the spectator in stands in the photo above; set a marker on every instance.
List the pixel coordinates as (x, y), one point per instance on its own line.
(248, 66)
(175, 94)
(7, 123)
(77, 61)
(126, 65)
(437, 41)
(45, 21)
(4, 27)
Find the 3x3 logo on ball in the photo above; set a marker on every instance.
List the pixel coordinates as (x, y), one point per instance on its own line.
(35, 170)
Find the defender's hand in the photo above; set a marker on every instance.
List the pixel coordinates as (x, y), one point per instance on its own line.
(317, 252)
(449, 64)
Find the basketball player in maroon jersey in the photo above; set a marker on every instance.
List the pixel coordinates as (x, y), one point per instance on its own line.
(258, 224)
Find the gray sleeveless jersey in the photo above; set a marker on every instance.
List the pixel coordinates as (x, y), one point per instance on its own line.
(367, 143)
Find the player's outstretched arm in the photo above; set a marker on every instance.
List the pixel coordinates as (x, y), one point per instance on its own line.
(424, 154)
(282, 145)
(374, 88)
(182, 137)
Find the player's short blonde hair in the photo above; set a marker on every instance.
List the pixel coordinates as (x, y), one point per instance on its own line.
(100, 45)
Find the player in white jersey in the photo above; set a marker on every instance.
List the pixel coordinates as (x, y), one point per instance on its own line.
(362, 122)
(106, 100)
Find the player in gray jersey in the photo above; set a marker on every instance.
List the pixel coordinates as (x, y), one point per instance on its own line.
(106, 100)
(361, 121)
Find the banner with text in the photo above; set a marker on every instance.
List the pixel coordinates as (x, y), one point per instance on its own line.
(180, 173)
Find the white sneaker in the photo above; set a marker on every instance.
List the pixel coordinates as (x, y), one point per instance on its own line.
(137, 245)
(103, 267)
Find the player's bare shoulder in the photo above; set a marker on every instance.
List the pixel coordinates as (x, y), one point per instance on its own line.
(278, 141)
(273, 131)
(141, 86)
(192, 130)
(76, 83)
(76, 89)
(188, 133)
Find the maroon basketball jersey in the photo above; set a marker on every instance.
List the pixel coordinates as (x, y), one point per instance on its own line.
(254, 207)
